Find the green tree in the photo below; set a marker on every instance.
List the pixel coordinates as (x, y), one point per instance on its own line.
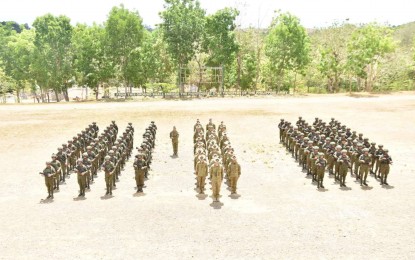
(151, 62)
(183, 29)
(53, 49)
(90, 60)
(287, 47)
(20, 50)
(124, 35)
(367, 46)
(220, 41)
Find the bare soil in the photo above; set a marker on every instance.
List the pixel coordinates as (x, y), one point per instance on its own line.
(279, 213)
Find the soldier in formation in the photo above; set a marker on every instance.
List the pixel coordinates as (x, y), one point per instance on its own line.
(332, 146)
(85, 153)
(143, 159)
(214, 157)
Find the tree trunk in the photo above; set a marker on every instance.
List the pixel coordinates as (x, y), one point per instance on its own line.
(56, 95)
(18, 94)
(97, 92)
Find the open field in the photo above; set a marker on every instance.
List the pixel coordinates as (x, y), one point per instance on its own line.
(279, 214)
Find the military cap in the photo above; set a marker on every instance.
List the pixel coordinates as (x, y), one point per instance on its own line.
(79, 161)
(344, 151)
(130, 123)
(380, 145)
(89, 147)
(359, 144)
(64, 145)
(353, 132)
(316, 147)
(355, 141)
(373, 143)
(70, 141)
(84, 154)
(111, 152)
(306, 138)
(48, 162)
(386, 150)
(320, 154)
(94, 123)
(365, 150)
(153, 122)
(360, 134)
(113, 121)
(59, 148)
(302, 134)
(282, 119)
(107, 157)
(328, 138)
(366, 139)
(332, 143)
(53, 155)
(338, 147)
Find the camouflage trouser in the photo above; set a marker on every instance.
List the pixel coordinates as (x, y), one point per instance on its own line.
(49, 182)
(57, 179)
(300, 155)
(109, 181)
(356, 167)
(342, 174)
(64, 172)
(330, 162)
(336, 169)
(82, 180)
(320, 175)
(377, 166)
(384, 172)
(139, 179)
(234, 181)
(364, 169)
(201, 182)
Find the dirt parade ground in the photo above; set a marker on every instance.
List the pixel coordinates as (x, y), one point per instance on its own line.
(279, 214)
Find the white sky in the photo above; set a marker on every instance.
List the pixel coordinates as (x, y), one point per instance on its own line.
(313, 13)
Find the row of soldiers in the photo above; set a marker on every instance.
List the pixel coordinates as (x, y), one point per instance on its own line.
(144, 157)
(85, 153)
(333, 146)
(116, 157)
(213, 153)
(58, 169)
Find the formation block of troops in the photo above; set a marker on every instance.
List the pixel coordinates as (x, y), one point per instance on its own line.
(64, 161)
(86, 153)
(322, 146)
(119, 151)
(144, 157)
(214, 154)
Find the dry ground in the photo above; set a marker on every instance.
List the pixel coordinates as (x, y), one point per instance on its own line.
(279, 214)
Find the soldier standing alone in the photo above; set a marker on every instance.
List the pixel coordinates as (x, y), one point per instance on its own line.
(174, 136)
